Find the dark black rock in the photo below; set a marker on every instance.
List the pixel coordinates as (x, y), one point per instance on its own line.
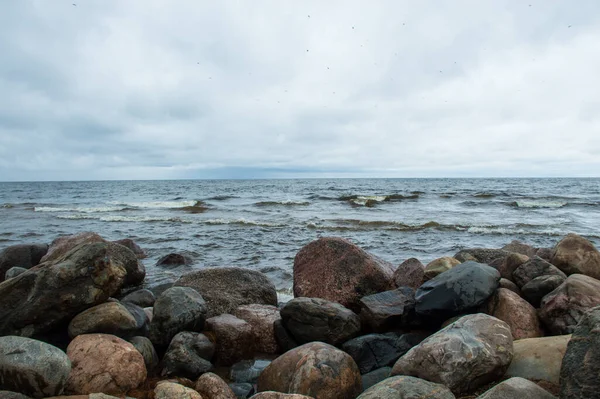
(388, 310)
(174, 260)
(14, 272)
(242, 390)
(141, 318)
(145, 347)
(316, 319)
(143, 298)
(535, 267)
(481, 255)
(456, 291)
(247, 370)
(22, 255)
(188, 356)
(283, 337)
(539, 287)
(375, 377)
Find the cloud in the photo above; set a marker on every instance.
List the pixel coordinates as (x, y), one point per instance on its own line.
(151, 89)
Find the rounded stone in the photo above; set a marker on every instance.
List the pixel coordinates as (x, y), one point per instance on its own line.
(516, 312)
(439, 266)
(261, 318)
(211, 386)
(406, 387)
(171, 390)
(107, 318)
(538, 359)
(409, 273)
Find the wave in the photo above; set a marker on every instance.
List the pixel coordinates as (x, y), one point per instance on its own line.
(538, 204)
(357, 225)
(372, 200)
(221, 197)
(162, 204)
(484, 195)
(96, 209)
(508, 230)
(241, 222)
(282, 203)
(126, 219)
(7, 206)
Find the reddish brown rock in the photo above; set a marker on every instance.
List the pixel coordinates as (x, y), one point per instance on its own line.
(171, 390)
(104, 363)
(61, 245)
(510, 264)
(519, 247)
(339, 271)
(439, 266)
(211, 386)
(233, 339)
(509, 285)
(315, 369)
(410, 273)
(576, 255)
(516, 312)
(261, 318)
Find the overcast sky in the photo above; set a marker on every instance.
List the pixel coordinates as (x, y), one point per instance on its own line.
(148, 89)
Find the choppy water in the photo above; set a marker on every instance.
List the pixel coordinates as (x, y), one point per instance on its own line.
(263, 223)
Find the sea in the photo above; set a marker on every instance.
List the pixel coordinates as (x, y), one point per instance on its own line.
(262, 224)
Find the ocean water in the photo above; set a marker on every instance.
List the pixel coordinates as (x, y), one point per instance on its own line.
(261, 224)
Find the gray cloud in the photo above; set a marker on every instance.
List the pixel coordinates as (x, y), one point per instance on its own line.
(109, 89)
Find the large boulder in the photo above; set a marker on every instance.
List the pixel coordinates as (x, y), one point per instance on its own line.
(535, 290)
(316, 319)
(561, 310)
(410, 273)
(172, 390)
(439, 266)
(538, 359)
(510, 263)
(261, 318)
(576, 255)
(143, 298)
(132, 246)
(13, 395)
(339, 271)
(211, 386)
(406, 387)
(233, 338)
(104, 363)
(516, 387)
(457, 291)
(188, 356)
(226, 288)
(375, 377)
(175, 310)
(145, 347)
(21, 255)
(64, 244)
(52, 293)
(535, 267)
(519, 247)
(580, 370)
(315, 369)
(388, 310)
(32, 367)
(481, 255)
(467, 354)
(107, 318)
(516, 312)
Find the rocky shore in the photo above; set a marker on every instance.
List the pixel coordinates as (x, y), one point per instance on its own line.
(76, 320)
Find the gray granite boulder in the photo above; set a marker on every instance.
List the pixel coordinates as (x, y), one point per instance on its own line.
(577, 255)
(143, 298)
(406, 387)
(535, 290)
(188, 356)
(516, 387)
(14, 272)
(535, 267)
(145, 347)
(108, 318)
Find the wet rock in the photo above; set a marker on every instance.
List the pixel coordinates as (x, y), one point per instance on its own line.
(509, 285)
(439, 266)
(315, 369)
(233, 339)
(410, 273)
(388, 310)
(538, 359)
(104, 363)
(510, 264)
(545, 253)
(339, 271)
(580, 370)
(171, 260)
(22, 255)
(132, 246)
(226, 288)
(158, 289)
(145, 347)
(57, 291)
(516, 388)
(143, 298)
(561, 310)
(539, 287)
(516, 312)
(481, 255)
(175, 310)
(283, 337)
(188, 356)
(535, 267)
(261, 319)
(279, 395)
(107, 318)
(519, 247)
(376, 376)
(405, 387)
(62, 245)
(12, 395)
(171, 390)
(247, 370)
(14, 272)
(316, 319)
(456, 291)
(211, 386)
(467, 354)
(32, 367)
(577, 255)
(242, 390)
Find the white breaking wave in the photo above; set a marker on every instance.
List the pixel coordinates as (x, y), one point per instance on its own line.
(362, 199)
(241, 221)
(509, 231)
(142, 219)
(160, 204)
(96, 209)
(540, 204)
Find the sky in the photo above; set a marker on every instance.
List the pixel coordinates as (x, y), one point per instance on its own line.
(148, 89)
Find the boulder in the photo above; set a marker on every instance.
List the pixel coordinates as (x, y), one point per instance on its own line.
(406, 387)
(175, 310)
(538, 359)
(283, 337)
(545, 253)
(55, 292)
(233, 339)
(64, 244)
(14, 272)
(510, 264)
(132, 246)
(374, 351)
(509, 285)
(316, 319)
(577, 255)
(580, 369)
(315, 369)
(439, 266)
(107, 318)
(211, 386)
(261, 319)
(535, 267)
(143, 298)
(561, 310)
(145, 347)
(481, 255)
(226, 288)
(519, 247)
(339, 271)
(375, 377)
(279, 395)
(104, 363)
(459, 290)
(389, 310)
(410, 273)
(516, 387)
(539, 287)
(13, 395)
(242, 390)
(171, 260)
(516, 312)
(32, 367)
(21, 255)
(171, 390)
(188, 356)
(469, 353)
(247, 370)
